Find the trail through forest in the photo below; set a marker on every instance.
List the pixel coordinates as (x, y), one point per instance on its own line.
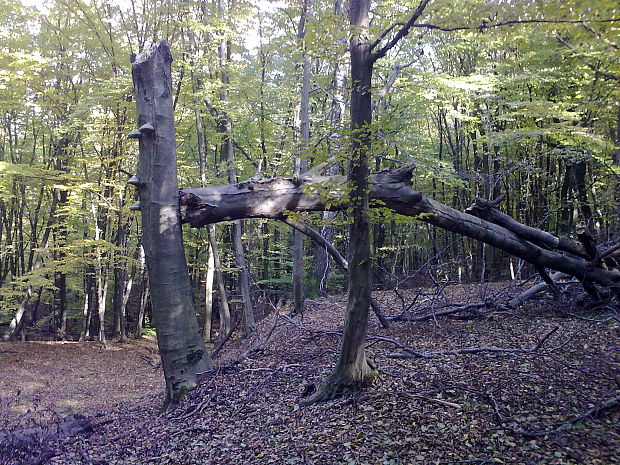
(525, 405)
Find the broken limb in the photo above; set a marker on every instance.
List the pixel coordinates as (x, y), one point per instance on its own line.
(451, 311)
(535, 290)
(338, 258)
(271, 198)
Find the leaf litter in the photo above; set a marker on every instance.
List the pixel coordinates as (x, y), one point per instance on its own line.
(512, 407)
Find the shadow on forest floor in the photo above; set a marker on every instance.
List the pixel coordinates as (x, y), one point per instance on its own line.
(477, 408)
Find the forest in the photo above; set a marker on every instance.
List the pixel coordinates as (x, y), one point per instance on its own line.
(309, 231)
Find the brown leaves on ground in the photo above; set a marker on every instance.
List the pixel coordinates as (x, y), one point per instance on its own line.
(60, 378)
(449, 409)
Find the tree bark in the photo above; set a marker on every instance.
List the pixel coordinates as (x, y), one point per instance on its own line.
(353, 370)
(271, 198)
(301, 160)
(184, 356)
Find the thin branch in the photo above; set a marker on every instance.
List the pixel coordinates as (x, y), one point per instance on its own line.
(411, 353)
(484, 25)
(219, 347)
(610, 404)
(610, 251)
(598, 36)
(383, 34)
(406, 27)
(402, 32)
(598, 71)
(338, 258)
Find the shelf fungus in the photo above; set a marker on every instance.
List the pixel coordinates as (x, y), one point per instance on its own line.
(134, 181)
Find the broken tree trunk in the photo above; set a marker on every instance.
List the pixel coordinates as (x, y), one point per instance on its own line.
(392, 189)
(183, 354)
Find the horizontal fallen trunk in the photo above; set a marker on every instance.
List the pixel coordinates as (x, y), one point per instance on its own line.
(392, 189)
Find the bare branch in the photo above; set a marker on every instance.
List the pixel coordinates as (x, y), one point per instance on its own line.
(406, 27)
(384, 34)
(605, 74)
(402, 32)
(484, 25)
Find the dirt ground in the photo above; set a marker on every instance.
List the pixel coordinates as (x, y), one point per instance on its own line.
(532, 403)
(61, 378)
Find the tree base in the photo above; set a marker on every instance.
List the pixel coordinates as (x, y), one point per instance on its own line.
(344, 381)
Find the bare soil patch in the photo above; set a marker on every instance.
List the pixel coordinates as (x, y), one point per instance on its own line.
(61, 378)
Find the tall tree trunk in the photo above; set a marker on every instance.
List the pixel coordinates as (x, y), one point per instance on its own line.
(184, 357)
(227, 155)
(353, 370)
(122, 282)
(212, 249)
(60, 277)
(321, 262)
(144, 295)
(301, 158)
(89, 300)
(616, 161)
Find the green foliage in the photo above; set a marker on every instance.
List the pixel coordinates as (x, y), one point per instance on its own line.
(479, 112)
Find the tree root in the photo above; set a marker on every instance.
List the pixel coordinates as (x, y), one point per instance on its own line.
(339, 384)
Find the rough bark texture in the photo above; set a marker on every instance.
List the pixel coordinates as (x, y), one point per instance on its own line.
(270, 198)
(183, 354)
(301, 161)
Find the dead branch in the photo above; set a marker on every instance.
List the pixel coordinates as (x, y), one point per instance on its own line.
(337, 256)
(219, 347)
(392, 189)
(310, 330)
(597, 411)
(534, 290)
(411, 353)
(452, 311)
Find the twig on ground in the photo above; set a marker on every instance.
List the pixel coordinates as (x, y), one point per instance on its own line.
(433, 399)
(411, 353)
(310, 330)
(41, 458)
(600, 409)
(219, 347)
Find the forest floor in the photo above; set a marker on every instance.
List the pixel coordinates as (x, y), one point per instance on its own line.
(523, 405)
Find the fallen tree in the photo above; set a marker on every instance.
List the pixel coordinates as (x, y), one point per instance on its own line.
(184, 356)
(277, 197)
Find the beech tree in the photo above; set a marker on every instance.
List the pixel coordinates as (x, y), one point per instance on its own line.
(184, 356)
(487, 99)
